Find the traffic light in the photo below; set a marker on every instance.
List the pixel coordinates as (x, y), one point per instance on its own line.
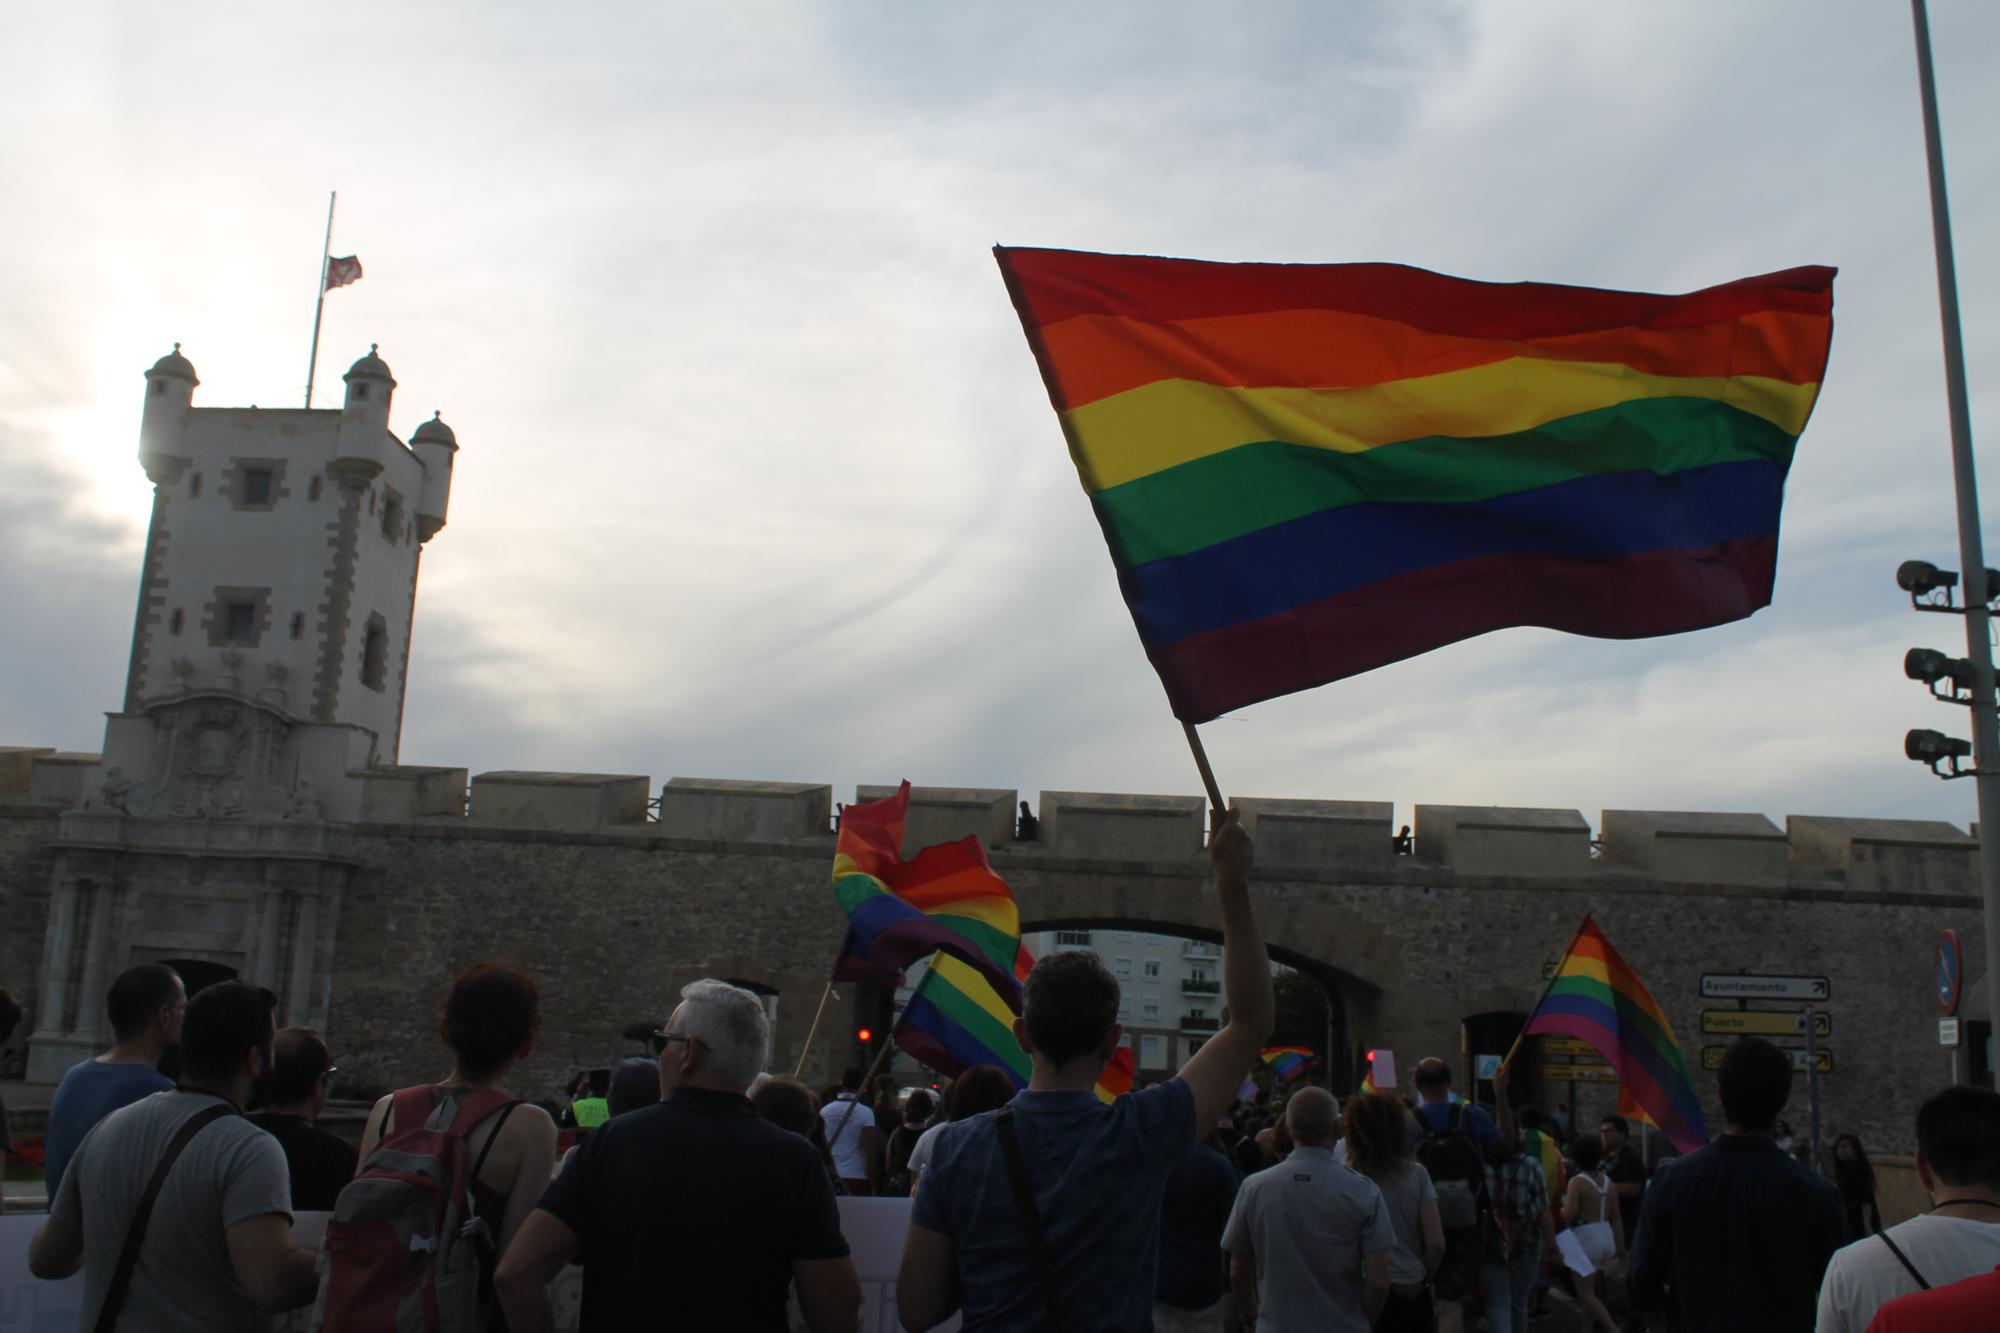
(1952, 680)
(864, 1035)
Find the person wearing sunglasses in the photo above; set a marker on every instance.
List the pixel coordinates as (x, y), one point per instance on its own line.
(320, 1162)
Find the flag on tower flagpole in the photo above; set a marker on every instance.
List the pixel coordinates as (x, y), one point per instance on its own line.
(340, 272)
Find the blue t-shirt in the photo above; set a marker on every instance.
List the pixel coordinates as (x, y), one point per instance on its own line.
(1193, 1212)
(1097, 1172)
(89, 1092)
(1471, 1120)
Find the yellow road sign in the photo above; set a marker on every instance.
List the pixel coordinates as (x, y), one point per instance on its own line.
(1568, 1046)
(1711, 1058)
(1579, 1073)
(1763, 1022)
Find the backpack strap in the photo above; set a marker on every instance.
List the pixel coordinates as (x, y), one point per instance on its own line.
(408, 1109)
(1901, 1258)
(1030, 1217)
(135, 1236)
(475, 1107)
(491, 1139)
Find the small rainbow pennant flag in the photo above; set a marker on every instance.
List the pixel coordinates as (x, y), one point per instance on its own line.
(1288, 1062)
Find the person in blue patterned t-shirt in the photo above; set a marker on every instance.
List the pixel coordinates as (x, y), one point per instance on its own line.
(1094, 1173)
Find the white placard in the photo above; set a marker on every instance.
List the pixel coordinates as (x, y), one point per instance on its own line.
(1947, 1032)
(1385, 1071)
(1572, 1253)
(874, 1229)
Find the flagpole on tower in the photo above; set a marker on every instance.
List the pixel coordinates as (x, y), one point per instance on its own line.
(319, 305)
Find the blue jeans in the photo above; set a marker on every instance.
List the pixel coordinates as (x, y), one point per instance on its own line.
(1507, 1288)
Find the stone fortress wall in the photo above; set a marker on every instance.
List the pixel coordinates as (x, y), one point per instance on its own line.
(614, 904)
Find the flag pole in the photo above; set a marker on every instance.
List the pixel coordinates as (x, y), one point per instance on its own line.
(1207, 773)
(319, 306)
(813, 1031)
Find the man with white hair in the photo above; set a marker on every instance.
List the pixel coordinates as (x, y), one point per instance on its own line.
(1309, 1239)
(696, 1213)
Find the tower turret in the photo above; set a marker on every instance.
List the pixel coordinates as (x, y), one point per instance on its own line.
(362, 449)
(163, 426)
(435, 446)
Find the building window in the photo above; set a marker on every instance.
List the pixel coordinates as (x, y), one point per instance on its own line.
(1123, 967)
(194, 485)
(175, 621)
(360, 391)
(1124, 1007)
(1076, 937)
(312, 489)
(1151, 938)
(392, 517)
(240, 622)
(375, 654)
(298, 624)
(257, 486)
(1152, 967)
(1152, 1006)
(1125, 936)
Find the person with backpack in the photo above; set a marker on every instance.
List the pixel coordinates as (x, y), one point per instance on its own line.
(178, 1209)
(492, 1152)
(1590, 1209)
(1958, 1163)
(1455, 1137)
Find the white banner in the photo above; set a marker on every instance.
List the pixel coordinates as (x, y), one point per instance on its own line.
(874, 1229)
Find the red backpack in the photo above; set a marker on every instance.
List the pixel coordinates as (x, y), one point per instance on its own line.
(404, 1248)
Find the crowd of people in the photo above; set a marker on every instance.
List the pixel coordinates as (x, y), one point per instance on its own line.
(702, 1191)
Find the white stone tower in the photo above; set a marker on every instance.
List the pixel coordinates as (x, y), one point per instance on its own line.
(264, 696)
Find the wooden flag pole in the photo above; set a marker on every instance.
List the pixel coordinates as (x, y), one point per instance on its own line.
(813, 1031)
(1207, 773)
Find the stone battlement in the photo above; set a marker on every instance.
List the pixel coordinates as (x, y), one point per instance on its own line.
(1697, 847)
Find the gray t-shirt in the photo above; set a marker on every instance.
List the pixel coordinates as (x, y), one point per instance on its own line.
(229, 1172)
(1309, 1221)
(1404, 1195)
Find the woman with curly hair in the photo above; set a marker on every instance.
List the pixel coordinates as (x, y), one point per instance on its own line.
(488, 1022)
(1375, 1132)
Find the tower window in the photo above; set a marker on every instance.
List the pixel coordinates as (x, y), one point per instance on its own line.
(257, 486)
(312, 489)
(392, 516)
(360, 391)
(375, 654)
(175, 621)
(242, 622)
(194, 484)
(298, 624)
(159, 388)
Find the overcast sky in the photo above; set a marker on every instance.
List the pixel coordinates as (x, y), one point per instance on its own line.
(758, 479)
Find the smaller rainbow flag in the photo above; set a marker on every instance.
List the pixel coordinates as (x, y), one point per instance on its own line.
(1288, 1062)
(1597, 998)
(945, 898)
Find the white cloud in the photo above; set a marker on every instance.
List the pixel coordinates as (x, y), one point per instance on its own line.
(758, 479)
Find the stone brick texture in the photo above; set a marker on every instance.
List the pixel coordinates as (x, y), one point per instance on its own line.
(614, 923)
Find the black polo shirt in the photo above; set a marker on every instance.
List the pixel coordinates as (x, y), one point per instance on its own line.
(320, 1162)
(691, 1214)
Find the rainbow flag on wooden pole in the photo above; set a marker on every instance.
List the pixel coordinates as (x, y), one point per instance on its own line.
(1306, 471)
(1288, 1062)
(1597, 998)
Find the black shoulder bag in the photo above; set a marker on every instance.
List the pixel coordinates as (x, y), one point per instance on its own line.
(135, 1235)
(1030, 1216)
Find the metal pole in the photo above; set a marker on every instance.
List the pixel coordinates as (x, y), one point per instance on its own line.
(319, 303)
(1971, 549)
(1812, 1081)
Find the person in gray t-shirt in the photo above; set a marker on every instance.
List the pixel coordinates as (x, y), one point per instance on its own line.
(218, 1252)
(1309, 1239)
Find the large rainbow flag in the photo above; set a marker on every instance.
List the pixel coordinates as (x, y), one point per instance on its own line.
(900, 912)
(1307, 471)
(1597, 998)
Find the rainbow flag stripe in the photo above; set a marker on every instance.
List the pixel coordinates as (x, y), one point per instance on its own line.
(898, 912)
(955, 1020)
(1304, 472)
(1288, 1062)
(1597, 998)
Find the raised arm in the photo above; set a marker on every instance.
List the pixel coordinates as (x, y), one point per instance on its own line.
(1215, 1072)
